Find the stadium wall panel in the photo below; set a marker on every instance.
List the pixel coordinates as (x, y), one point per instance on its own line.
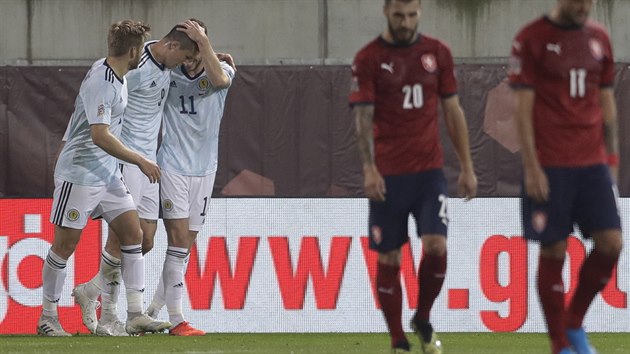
(287, 131)
(37, 32)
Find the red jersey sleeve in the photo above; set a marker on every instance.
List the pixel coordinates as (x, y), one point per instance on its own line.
(362, 86)
(448, 83)
(522, 68)
(608, 72)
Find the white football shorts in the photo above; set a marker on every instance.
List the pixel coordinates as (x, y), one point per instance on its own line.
(186, 197)
(145, 194)
(73, 204)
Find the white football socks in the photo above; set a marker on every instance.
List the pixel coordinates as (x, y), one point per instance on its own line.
(53, 278)
(132, 266)
(173, 274)
(111, 276)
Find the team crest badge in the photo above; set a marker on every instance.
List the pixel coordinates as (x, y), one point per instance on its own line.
(73, 215)
(203, 84)
(539, 221)
(100, 110)
(168, 205)
(429, 63)
(377, 234)
(596, 49)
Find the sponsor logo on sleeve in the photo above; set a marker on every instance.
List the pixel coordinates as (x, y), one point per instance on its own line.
(100, 110)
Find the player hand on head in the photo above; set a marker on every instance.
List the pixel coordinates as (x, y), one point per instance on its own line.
(227, 58)
(374, 184)
(150, 169)
(467, 184)
(536, 184)
(194, 31)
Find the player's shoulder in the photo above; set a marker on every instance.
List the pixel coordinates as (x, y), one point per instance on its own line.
(227, 68)
(534, 28)
(370, 48)
(102, 75)
(430, 41)
(596, 28)
(147, 60)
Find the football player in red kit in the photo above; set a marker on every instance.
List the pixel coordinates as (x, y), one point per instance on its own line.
(562, 71)
(398, 81)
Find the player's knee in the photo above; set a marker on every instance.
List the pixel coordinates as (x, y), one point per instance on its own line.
(64, 248)
(134, 236)
(609, 243)
(390, 257)
(434, 246)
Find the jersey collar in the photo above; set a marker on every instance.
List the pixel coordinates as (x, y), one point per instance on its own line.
(147, 50)
(191, 77)
(563, 27)
(113, 72)
(386, 43)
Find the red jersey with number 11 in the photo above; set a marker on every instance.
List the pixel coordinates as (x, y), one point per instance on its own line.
(566, 67)
(405, 84)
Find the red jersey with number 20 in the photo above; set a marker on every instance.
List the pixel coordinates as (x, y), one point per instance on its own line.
(405, 84)
(566, 67)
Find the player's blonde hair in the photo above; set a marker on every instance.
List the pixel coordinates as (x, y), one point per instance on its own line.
(126, 34)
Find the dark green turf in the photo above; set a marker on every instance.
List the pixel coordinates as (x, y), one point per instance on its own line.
(454, 343)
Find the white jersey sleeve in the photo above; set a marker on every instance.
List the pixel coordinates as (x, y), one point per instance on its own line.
(148, 87)
(192, 120)
(101, 100)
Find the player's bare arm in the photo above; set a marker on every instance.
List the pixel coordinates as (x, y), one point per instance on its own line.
(104, 139)
(209, 58)
(611, 133)
(536, 183)
(374, 184)
(458, 133)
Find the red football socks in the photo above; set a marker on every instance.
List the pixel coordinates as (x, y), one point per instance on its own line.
(430, 278)
(594, 276)
(390, 298)
(551, 294)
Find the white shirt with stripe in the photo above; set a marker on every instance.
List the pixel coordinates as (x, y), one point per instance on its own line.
(192, 118)
(101, 100)
(148, 87)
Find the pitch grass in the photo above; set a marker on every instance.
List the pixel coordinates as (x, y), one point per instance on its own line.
(454, 343)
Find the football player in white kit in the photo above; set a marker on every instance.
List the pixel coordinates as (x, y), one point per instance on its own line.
(148, 86)
(88, 183)
(188, 159)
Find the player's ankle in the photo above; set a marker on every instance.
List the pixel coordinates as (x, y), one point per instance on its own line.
(132, 315)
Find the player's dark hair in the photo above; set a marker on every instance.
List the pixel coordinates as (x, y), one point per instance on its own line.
(185, 42)
(126, 34)
(203, 25)
(387, 2)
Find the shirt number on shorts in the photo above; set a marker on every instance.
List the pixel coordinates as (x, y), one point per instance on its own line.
(442, 213)
(205, 205)
(414, 97)
(577, 83)
(192, 105)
